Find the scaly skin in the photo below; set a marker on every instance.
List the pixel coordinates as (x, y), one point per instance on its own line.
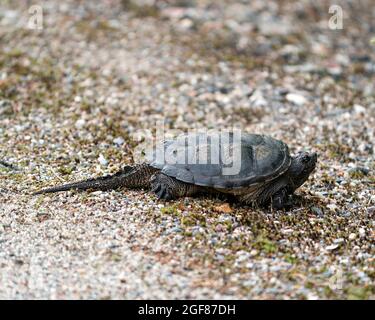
(138, 176)
(168, 188)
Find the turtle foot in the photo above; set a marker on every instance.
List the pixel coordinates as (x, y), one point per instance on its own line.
(160, 185)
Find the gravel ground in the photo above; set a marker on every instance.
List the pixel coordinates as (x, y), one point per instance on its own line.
(73, 93)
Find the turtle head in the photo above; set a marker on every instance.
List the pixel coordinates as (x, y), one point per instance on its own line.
(301, 167)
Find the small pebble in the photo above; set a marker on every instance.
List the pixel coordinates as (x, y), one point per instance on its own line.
(297, 99)
(332, 247)
(119, 141)
(352, 236)
(102, 160)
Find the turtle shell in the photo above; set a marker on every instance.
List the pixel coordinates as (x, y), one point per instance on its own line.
(222, 161)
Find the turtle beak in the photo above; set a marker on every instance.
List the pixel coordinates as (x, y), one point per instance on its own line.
(314, 157)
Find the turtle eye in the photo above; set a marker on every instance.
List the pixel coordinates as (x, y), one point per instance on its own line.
(305, 158)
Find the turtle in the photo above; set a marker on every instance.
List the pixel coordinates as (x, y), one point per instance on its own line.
(266, 173)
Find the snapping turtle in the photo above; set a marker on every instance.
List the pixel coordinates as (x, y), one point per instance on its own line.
(261, 171)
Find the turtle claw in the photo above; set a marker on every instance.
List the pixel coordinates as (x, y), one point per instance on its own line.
(281, 200)
(163, 193)
(160, 188)
(156, 188)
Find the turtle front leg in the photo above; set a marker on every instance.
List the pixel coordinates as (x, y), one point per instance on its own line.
(169, 188)
(280, 199)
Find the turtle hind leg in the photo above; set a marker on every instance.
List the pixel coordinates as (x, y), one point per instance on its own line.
(169, 188)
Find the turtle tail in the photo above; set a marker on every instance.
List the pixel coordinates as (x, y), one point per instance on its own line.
(137, 176)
